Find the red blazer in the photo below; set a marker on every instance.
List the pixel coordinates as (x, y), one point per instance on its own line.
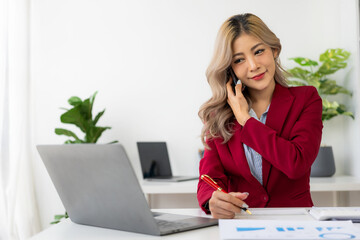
(288, 143)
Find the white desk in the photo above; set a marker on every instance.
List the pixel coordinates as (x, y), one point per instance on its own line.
(69, 230)
(338, 184)
(335, 185)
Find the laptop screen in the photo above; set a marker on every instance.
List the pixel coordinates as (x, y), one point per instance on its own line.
(154, 159)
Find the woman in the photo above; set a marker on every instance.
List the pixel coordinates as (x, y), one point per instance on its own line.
(261, 136)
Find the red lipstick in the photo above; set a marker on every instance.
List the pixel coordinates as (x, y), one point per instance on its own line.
(258, 77)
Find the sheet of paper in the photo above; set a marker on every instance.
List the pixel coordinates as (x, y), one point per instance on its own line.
(275, 214)
(278, 211)
(275, 229)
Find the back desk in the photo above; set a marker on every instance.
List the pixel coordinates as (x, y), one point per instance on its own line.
(183, 194)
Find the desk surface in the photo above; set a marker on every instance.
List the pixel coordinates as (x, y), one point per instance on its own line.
(320, 184)
(69, 230)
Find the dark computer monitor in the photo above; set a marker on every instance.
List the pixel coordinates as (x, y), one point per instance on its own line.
(154, 159)
(155, 163)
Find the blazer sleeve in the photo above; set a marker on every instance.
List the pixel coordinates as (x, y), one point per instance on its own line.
(211, 165)
(294, 155)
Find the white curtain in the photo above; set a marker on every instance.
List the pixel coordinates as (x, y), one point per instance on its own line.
(18, 210)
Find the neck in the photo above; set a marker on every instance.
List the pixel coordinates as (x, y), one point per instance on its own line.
(262, 96)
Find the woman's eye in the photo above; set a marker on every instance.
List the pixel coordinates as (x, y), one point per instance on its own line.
(239, 60)
(259, 51)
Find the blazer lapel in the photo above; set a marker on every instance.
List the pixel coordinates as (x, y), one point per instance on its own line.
(280, 106)
(281, 103)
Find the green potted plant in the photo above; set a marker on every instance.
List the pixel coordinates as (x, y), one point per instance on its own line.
(317, 74)
(81, 116)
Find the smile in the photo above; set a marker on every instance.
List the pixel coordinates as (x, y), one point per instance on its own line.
(259, 76)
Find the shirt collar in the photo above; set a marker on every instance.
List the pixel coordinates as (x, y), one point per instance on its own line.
(253, 114)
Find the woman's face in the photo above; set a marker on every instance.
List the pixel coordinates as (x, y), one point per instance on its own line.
(253, 62)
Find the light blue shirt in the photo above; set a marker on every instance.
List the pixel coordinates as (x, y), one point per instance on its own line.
(253, 158)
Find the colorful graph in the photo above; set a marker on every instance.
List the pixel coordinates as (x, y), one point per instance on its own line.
(285, 229)
(240, 229)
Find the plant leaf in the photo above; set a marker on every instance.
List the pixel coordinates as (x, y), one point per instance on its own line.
(337, 54)
(333, 109)
(85, 110)
(98, 116)
(350, 114)
(57, 218)
(75, 116)
(328, 68)
(333, 60)
(304, 61)
(93, 133)
(296, 83)
(61, 131)
(73, 142)
(314, 81)
(92, 99)
(74, 101)
(299, 73)
(329, 87)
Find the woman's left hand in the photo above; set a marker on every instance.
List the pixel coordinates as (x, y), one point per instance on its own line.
(238, 103)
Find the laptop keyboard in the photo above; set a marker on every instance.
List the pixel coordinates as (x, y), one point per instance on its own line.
(163, 225)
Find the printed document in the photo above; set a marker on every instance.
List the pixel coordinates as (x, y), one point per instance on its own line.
(276, 229)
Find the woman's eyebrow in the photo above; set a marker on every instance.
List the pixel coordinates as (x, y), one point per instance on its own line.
(252, 49)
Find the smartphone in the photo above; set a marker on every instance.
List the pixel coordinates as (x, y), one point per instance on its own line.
(231, 73)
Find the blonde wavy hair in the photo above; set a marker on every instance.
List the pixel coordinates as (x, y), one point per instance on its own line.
(215, 113)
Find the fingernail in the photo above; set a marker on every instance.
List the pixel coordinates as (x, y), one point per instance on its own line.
(246, 193)
(238, 82)
(245, 205)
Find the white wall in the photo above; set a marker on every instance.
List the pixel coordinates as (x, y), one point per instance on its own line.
(147, 59)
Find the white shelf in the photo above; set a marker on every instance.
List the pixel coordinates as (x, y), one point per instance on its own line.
(337, 183)
(327, 184)
(169, 187)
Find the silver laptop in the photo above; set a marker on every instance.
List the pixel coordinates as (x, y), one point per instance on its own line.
(155, 163)
(98, 187)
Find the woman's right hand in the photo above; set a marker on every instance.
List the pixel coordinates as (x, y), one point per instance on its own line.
(225, 205)
(238, 102)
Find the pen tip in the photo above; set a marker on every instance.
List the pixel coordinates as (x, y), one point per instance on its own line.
(248, 211)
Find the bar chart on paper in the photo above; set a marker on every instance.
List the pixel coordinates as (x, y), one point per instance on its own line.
(274, 229)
